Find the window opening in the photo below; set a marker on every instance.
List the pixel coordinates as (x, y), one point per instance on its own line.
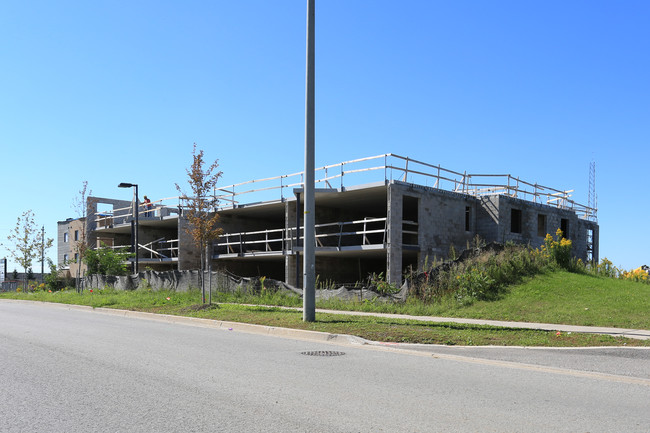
(541, 225)
(564, 226)
(515, 220)
(410, 206)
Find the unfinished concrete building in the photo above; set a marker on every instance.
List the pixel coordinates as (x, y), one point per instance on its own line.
(382, 214)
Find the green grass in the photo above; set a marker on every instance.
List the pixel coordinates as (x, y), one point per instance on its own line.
(558, 297)
(554, 297)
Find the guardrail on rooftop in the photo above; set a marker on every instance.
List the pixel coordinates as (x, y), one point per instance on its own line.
(388, 167)
(374, 169)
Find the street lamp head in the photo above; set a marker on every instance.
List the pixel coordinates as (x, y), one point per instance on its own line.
(126, 185)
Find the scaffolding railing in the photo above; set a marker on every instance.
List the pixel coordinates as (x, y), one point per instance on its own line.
(371, 170)
(335, 235)
(391, 167)
(159, 249)
(154, 210)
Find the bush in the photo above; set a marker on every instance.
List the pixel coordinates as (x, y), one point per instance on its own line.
(107, 261)
(559, 250)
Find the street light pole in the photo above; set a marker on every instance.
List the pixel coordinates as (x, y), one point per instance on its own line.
(42, 252)
(134, 232)
(309, 245)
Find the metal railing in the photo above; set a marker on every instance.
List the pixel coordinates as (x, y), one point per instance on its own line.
(335, 235)
(389, 167)
(375, 169)
(159, 249)
(124, 215)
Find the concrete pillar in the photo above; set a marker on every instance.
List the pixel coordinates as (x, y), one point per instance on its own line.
(189, 256)
(595, 252)
(394, 236)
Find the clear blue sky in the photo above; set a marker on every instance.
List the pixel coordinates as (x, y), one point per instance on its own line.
(117, 91)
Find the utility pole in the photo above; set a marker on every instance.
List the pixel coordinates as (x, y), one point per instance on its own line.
(309, 245)
(42, 251)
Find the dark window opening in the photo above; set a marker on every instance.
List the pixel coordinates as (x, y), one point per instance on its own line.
(76, 235)
(564, 226)
(410, 208)
(468, 214)
(541, 225)
(515, 220)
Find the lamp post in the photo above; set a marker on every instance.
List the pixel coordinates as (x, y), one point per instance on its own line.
(134, 231)
(309, 259)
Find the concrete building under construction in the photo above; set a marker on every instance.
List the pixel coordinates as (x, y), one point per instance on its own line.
(383, 214)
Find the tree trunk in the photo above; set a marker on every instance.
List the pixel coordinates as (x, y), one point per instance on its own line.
(208, 265)
(202, 276)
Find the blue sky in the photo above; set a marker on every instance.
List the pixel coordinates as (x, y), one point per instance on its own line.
(118, 91)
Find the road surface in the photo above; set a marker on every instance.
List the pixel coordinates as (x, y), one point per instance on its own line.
(70, 370)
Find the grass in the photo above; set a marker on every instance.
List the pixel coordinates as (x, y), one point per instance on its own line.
(558, 297)
(553, 297)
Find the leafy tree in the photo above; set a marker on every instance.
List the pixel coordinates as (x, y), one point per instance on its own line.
(107, 261)
(200, 208)
(27, 241)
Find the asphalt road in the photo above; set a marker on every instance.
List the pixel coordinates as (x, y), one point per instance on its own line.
(81, 371)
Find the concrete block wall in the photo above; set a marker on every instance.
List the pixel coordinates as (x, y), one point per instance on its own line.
(495, 223)
(189, 256)
(442, 223)
(487, 219)
(394, 236)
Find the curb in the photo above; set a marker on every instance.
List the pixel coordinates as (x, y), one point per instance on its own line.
(296, 334)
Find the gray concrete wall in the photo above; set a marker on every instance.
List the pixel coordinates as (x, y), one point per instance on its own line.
(394, 235)
(441, 223)
(189, 256)
(495, 223)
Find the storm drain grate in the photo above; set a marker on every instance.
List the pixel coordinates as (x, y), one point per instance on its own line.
(322, 353)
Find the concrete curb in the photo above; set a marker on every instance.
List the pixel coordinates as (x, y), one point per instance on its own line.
(296, 334)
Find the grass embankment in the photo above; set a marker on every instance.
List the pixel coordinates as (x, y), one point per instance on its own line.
(558, 297)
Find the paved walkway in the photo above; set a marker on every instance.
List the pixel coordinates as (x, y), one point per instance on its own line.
(640, 334)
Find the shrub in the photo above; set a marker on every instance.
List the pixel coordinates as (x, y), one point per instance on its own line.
(558, 250)
(107, 261)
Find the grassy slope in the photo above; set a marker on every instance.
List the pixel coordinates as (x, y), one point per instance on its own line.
(567, 298)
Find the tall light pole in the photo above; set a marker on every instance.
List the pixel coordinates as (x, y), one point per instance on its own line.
(134, 233)
(309, 245)
(42, 252)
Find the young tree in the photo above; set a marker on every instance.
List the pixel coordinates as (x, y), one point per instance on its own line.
(200, 208)
(79, 204)
(27, 240)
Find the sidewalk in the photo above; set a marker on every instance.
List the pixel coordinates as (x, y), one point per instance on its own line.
(640, 334)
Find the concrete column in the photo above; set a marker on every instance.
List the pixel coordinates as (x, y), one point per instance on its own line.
(394, 236)
(188, 253)
(596, 240)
